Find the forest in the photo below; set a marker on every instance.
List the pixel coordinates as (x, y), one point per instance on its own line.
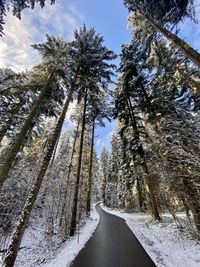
(51, 175)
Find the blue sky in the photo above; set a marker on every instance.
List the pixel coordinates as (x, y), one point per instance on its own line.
(109, 17)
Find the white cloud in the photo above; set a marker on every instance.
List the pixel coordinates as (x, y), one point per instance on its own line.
(98, 142)
(113, 127)
(15, 46)
(109, 136)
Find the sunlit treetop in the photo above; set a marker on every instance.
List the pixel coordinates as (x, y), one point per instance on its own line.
(172, 11)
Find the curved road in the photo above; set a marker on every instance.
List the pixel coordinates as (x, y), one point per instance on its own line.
(112, 245)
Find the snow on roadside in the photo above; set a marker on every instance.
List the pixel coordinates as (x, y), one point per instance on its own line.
(72, 247)
(165, 243)
(37, 251)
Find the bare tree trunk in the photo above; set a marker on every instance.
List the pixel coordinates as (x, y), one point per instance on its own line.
(104, 191)
(141, 194)
(9, 154)
(27, 209)
(54, 152)
(151, 193)
(186, 206)
(88, 207)
(75, 199)
(69, 173)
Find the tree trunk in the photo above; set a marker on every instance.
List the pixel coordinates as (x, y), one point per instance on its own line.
(151, 193)
(68, 175)
(185, 48)
(186, 207)
(13, 112)
(8, 155)
(150, 106)
(88, 207)
(26, 211)
(104, 191)
(141, 194)
(54, 152)
(192, 196)
(140, 151)
(75, 199)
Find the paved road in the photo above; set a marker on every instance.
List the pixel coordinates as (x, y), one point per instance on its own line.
(112, 245)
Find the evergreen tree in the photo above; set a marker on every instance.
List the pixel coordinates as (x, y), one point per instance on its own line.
(163, 10)
(99, 110)
(127, 107)
(161, 89)
(112, 182)
(54, 53)
(158, 16)
(105, 168)
(95, 72)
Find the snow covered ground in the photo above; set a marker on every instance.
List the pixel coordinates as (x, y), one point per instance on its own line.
(70, 250)
(166, 243)
(37, 251)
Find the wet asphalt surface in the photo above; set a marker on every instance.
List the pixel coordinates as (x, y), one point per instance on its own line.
(112, 245)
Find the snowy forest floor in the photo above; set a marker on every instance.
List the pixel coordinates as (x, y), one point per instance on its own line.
(169, 243)
(36, 250)
(72, 247)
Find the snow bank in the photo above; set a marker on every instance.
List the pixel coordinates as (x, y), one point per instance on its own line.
(166, 243)
(72, 247)
(37, 251)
